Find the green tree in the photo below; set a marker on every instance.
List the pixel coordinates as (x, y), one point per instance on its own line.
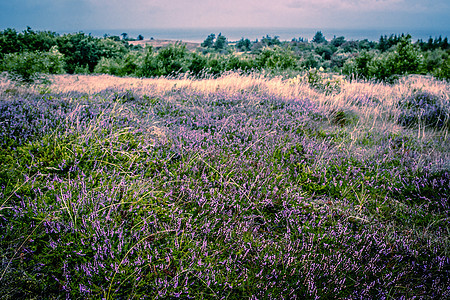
(221, 42)
(269, 41)
(209, 41)
(319, 38)
(244, 45)
(79, 50)
(38, 41)
(10, 41)
(408, 58)
(338, 41)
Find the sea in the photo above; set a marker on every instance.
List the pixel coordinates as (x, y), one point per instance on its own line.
(284, 34)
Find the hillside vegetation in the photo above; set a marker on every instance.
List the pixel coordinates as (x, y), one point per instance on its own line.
(29, 54)
(239, 186)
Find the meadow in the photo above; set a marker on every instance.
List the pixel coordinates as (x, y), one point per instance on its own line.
(227, 187)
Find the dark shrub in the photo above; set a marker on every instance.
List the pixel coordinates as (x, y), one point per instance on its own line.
(423, 108)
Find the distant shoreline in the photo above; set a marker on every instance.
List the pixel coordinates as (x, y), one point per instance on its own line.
(198, 35)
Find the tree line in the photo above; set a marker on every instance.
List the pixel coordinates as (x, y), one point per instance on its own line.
(29, 53)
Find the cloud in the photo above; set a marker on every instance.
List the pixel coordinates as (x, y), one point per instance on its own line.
(355, 5)
(134, 14)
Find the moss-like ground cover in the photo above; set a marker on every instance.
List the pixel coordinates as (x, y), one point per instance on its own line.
(228, 188)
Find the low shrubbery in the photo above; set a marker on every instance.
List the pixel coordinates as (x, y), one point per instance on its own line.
(28, 66)
(387, 60)
(423, 109)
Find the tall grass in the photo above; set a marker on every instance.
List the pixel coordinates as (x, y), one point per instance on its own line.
(231, 187)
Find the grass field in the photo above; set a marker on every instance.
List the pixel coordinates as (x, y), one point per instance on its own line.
(224, 188)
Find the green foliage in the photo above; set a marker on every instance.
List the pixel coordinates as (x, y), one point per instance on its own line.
(311, 61)
(319, 38)
(239, 63)
(385, 43)
(443, 72)
(220, 43)
(406, 59)
(323, 83)
(108, 66)
(269, 41)
(385, 60)
(386, 66)
(170, 60)
(111, 49)
(216, 65)
(325, 51)
(276, 58)
(80, 50)
(338, 60)
(197, 63)
(359, 65)
(209, 41)
(9, 41)
(27, 66)
(338, 41)
(382, 67)
(28, 41)
(243, 45)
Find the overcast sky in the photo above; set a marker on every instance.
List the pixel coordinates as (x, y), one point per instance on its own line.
(76, 15)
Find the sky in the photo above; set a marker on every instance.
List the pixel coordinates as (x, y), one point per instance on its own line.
(77, 15)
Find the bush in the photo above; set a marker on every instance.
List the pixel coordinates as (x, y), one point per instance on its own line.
(322, 83)
(170, 60)
(27, 66)
(359, 65)
(424, 109)
(311, 61)
(276, 58)
(216, 65)
(325, 51)
(386, 66)
(383, 67)
(443, 72)
(244, 45)
(79, 50)
(197, 64)
(433, 60)
(128, 65)
(107, 66)
(408, 58)
(237, 63)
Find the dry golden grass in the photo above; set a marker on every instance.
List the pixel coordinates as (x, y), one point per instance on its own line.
(377, 117)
